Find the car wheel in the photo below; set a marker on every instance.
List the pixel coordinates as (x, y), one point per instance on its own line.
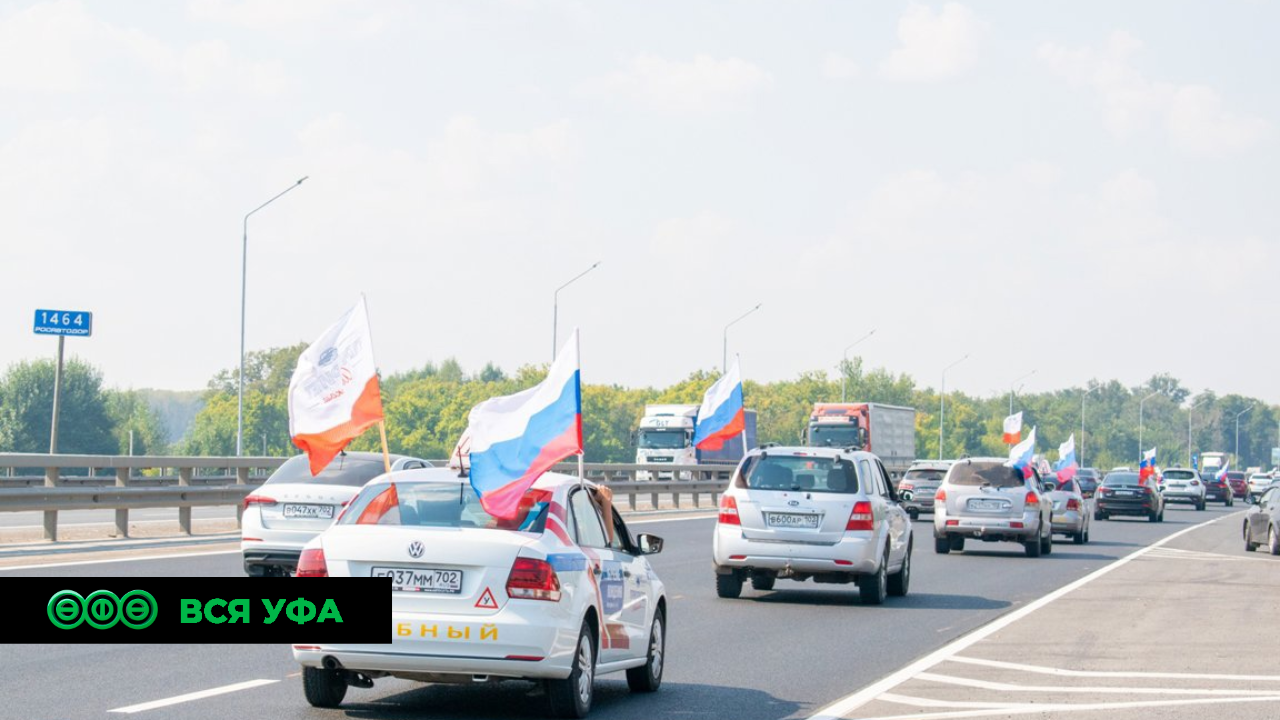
(1046, 543)
(1153, 516)
(1200, 506)
(1228, 502)
(729, 586)
(1033, 548)
(1160, 517)
(1273, 541)
(1078, 538)
(648, 677)
(900, 581)
(914, 515)
(957, 542)
(763, 582)
(1249, 545)
(571, 697)
(873, 588)
(1086, 535)
(941, 545)
(323, 688)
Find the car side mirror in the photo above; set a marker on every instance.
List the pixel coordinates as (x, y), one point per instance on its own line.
(649, 544)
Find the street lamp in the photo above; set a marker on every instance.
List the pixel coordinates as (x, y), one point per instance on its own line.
(1238, 430)
(942, 402)
(244, 272)
(846, 361)
(1196, 404)
(724, 368)
(1142, 402)
(555, 310)
(1015, 382)
(1083, 397)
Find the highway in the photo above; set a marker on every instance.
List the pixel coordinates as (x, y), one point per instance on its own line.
(780, 654)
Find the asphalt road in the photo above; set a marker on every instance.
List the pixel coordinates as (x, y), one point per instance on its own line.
(780, 654)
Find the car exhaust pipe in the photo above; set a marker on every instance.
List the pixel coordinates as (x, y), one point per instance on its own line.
(331, 663)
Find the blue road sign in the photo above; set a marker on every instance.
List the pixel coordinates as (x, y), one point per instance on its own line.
(77, 323)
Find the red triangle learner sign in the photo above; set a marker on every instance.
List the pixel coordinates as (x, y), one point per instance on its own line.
(486, 600)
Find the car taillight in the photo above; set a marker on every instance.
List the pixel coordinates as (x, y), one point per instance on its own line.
(312, 564)
(728, 511)
(1073, 504)
(860, 518)
(1032, 499)
(533, 579)
(906, 485)
(1195, 483)
(258, 500)
(940, 496)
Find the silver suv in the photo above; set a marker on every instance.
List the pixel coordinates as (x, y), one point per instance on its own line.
(802, 513)
(920, 483)
(986, 499)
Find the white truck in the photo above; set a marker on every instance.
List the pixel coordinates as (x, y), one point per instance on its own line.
(665, 436)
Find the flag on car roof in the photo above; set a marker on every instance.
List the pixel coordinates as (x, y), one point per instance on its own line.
(516, 438)
(721, 416)
(1147, 467)
(1222, 473)
(334, 394)
(1022, 454)
(1067, 466)
(1013, 429)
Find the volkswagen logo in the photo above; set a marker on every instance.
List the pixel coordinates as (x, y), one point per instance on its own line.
(416, 549)
(793, 503)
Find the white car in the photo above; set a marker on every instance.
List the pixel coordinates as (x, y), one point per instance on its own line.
(806, 512)
(1183, 485)
(292, 507)
(1258, 484)
(548, 596)
(986, 499)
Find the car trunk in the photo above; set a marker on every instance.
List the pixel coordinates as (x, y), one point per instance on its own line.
(302, 506)
(795, 516)
(1008, 502)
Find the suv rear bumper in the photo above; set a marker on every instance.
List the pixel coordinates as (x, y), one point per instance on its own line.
(982, 527)
(852, 554)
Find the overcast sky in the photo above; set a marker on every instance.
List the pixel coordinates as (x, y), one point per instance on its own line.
(1084, 189)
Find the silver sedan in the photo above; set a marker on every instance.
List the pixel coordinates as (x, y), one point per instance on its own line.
(1070, 510)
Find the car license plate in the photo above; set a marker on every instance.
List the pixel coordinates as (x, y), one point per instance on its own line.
(324, 512)
(791, 520)
(1126, 493)
(984, 504)
(429, 580)
(1059, 518)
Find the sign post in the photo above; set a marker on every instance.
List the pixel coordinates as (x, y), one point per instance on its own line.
(77, 323)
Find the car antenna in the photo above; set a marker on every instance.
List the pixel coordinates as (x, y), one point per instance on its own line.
(462, 470)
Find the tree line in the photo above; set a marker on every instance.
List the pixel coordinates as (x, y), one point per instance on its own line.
(426, 411)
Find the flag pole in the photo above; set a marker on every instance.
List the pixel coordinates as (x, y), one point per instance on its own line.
(738, 359)
(582, 451)
(386, 455)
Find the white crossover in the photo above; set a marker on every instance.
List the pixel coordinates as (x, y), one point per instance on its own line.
(558, 594)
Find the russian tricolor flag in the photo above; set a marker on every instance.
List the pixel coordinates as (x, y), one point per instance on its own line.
(1067, 465)
(1021, 455)
(516, 438)
(1147, 467)
(721, 416)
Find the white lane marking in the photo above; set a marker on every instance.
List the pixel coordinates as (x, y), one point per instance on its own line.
(1011, 687)
(849, 703)
(710, 514)
(1042, 709)
(1108, 673)
(116, 560)
(931, 703)
(176, 699)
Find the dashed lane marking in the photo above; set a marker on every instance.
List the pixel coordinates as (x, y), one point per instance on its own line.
(1110, 673)
(177, 699)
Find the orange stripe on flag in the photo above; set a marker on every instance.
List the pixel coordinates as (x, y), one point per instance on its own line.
(322, 447)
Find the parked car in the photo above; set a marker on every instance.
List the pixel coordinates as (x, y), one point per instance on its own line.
(557, 594)
(1262, 523)
(919, 483)
(986, 499)
(1239, 483)
(292, 507)
(1183, 485)
(1125, 493)
(1070, 510)
(1258, 484)
(1088, 479)
(1217, 490)
(800, 513)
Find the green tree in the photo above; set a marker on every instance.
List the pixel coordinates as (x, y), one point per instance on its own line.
(135, 424)
(26, 409)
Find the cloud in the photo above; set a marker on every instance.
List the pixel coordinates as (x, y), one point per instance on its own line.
(274, 15)
(839, 67)
(704, 84)
(696, 240)
(211, 65)
(1192, 116)
(934, 46)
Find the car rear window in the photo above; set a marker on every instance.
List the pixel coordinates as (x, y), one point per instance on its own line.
(979, 474)
(344, 470)
(1235, 475)
(439, 505)
(809, 474)
(1087, 474)
(1121, 479)
(1178, 475)
(926, 475)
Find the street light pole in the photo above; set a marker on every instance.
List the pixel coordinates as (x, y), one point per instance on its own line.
(942, 402)
(846, 361)
(244, 274)
(1140, 404)
(1198, 403)
(1242, 412)
(1083, 397)
(1015, 382)
(555, 310)
(724, 366)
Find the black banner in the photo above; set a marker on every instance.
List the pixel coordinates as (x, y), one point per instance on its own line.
(197, 610)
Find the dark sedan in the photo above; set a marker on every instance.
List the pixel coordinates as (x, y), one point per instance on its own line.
(1217, 490)
(1262, 523)
(1124, 493)
(1088, 479)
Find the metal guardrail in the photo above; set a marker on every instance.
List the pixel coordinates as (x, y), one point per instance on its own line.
(124, 483)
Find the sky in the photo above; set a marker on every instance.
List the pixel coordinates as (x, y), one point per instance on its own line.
(1079, 189)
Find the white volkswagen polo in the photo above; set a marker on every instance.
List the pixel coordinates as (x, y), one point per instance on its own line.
(559, 594)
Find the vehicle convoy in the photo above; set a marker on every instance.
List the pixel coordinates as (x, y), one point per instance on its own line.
(1070, 510)
(1182, 485)
(918, 485)
(1126, 493)
(1262, 523)
(888, 431)
(986, 499)
(557, 594)
(665, 435)
(800, 513)
(292, 506)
